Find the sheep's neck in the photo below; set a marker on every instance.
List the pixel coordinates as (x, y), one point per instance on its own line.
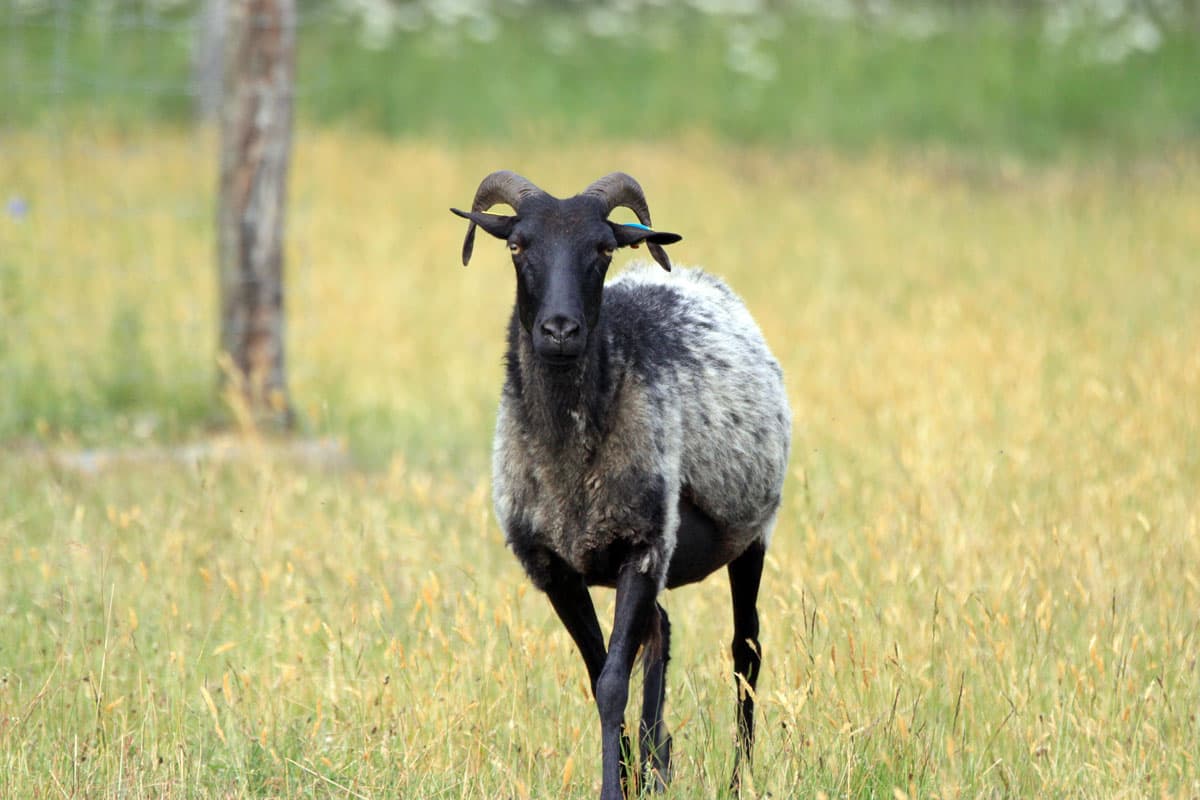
(562, 405)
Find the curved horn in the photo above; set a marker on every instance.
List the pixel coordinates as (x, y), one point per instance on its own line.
(620, 189)
(502, 186)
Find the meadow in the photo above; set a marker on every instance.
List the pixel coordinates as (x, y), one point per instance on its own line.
(984, 580)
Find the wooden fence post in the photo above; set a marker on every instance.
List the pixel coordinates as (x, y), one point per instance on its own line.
(256, 123)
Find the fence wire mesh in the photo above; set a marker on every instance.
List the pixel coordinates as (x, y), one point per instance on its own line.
(107, 134)
(80, 166)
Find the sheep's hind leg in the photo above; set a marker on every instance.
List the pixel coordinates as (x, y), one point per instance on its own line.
(636, 592)
(745, 572)
(654, 739)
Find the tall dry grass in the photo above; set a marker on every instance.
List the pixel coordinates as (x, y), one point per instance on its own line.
(984, 582)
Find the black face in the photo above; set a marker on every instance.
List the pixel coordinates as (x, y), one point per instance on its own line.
(561, 257)
(561, 250)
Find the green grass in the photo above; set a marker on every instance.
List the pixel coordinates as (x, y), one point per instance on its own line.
(983, 582)
(987, 81)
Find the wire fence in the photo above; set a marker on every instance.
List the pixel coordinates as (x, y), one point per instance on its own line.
(72, 65)
(153, 57)
(79, 77)
(70, 68)
(80, 324)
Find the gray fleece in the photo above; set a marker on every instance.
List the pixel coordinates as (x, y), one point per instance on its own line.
(679, 397)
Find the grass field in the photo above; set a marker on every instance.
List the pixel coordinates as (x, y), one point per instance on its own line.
(985, 577)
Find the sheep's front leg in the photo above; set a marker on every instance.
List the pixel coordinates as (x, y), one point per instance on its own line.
(573, 603)
(636, 593)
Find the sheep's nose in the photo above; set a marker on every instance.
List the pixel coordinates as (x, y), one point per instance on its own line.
(560, 329)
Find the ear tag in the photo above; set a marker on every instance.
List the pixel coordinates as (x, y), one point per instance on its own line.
(640, 227)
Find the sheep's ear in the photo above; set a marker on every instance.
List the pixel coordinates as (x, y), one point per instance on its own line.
(496, 224)
(633, 234)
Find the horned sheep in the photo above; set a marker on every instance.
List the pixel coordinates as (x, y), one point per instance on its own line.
(641, 443)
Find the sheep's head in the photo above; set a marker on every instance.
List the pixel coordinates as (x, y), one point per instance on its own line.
(561, 250)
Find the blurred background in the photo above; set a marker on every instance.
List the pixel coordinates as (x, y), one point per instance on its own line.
(1022, 76)
(109, 177)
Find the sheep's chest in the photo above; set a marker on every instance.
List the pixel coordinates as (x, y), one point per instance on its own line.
(583, 510)
(593, 495)
(586, 502)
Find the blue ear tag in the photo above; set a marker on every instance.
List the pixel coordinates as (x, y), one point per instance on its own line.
(640, 227)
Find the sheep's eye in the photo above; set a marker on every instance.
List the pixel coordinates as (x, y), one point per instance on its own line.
(515, 248)
(606, 251)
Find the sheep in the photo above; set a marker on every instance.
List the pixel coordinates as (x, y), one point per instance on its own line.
(641, 444)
